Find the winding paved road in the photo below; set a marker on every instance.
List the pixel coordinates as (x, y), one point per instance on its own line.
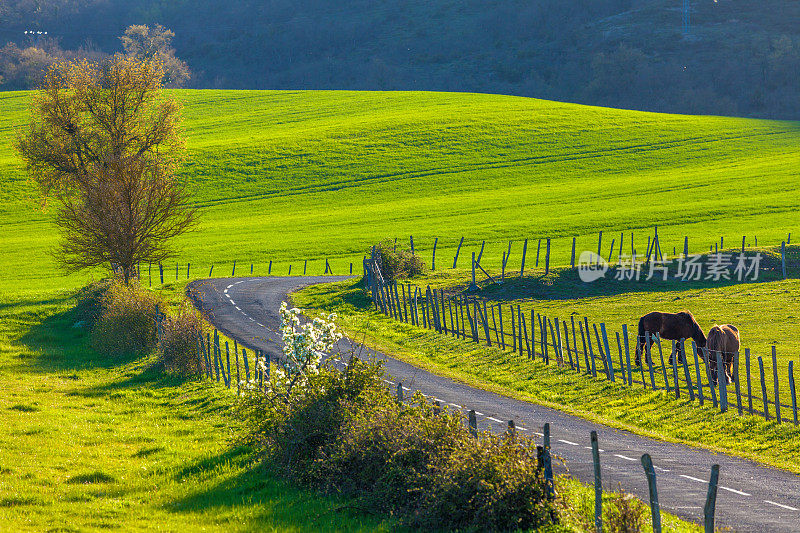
(751, 497)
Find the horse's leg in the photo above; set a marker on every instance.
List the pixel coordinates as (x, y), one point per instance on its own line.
(639, 348)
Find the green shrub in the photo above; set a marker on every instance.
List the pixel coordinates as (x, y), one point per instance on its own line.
(89, 305)
(126, 324)
(177, 349)
(626, 514)
(398, 263)
(344, 432)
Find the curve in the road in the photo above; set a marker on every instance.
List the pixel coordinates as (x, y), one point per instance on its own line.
(751, 496)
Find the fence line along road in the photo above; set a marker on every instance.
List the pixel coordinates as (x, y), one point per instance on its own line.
(752, 497)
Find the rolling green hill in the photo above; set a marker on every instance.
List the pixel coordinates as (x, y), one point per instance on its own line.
(289, 176)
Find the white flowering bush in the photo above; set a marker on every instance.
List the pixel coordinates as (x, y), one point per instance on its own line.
(304, 347)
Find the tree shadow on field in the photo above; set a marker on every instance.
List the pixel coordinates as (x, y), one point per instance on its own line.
(280, 504)
(60, 342)
(565, 283)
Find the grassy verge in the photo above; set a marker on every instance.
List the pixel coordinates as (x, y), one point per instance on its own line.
(654, 414)
(94, 444)
(579, 513)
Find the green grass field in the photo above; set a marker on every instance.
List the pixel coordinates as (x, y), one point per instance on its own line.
(91, 444)
(288, 176)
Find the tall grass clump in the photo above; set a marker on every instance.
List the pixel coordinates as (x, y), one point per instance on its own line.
(177, 347)
(345, 432)
(397, 262)
(126, 325)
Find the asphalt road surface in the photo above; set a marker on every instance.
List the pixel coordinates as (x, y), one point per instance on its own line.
(751, 497)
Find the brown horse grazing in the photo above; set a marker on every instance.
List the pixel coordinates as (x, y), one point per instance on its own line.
(725, 341)
(673, 326)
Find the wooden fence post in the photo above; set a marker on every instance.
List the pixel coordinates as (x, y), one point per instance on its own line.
(502, 333)
(480, 255)
(722, 380)
(269, 272)
(473, 423)
(433, 256)
(538, 249)
(513, 330)
(711, 385)
(305, 267)
(686, 374)
(246, 365)
(736, 380)
(749, 383)
(792, 391)
(228, 360)
(411, 238)
(547, 258)
(400, 391)
(458, 250)
(697, 372)
(238, 376)
(711, 500)
(621, 360)
(585, 352)
(777, 387)
(548, 465)
(608, 351)
(763, 387)
(663, 366)
(598, 485)
(575, 344)
(627, 353)
(591, 353)
(572, 260)
(686, 246)
(599, 245)
(655, 509)
(473, 286)
(649, 358)
(674, 357)
(783, 259)
(524, 252)
(621, 241)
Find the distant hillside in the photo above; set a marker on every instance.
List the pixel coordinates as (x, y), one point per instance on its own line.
(741, 57)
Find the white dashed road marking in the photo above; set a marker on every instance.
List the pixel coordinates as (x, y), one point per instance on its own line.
(624, 457)
(568, 442)
(740, 493)
(781, 505)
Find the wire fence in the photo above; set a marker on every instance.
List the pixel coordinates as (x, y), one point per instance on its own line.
(536, 336)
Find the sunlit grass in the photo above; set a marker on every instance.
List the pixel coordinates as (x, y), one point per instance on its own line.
(294, 175)
(657, 414)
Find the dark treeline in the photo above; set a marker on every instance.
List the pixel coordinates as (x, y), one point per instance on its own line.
(741, 57)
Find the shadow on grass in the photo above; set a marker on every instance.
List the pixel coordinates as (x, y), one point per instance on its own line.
(282, 504)
(565, 283)
(150, 375)
(60, 343)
